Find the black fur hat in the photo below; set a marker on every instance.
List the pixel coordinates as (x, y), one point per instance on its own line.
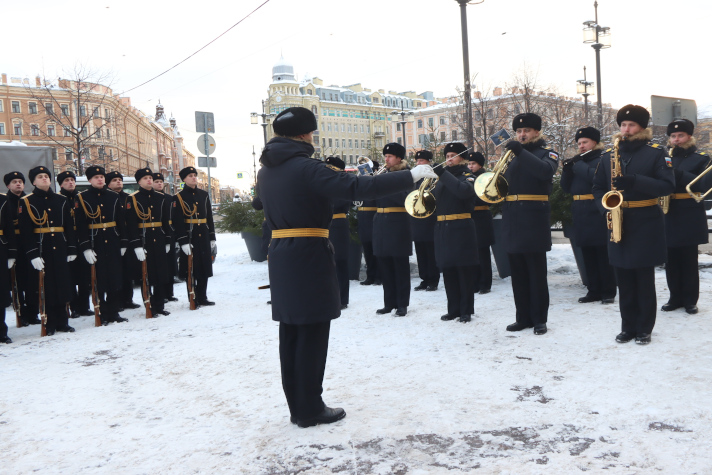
(588, 133)
(36, 171)
(637, 114)
(111, 175)
(187, 171)
(456, 147)
(13, 176)
(336, 162)
(64, 175)
(94, 171)
(142, 172)
(477, 157)
(681, 125)
(527, 119)
(394, 148)
(158, 176)
(294, 121)
(424, 155)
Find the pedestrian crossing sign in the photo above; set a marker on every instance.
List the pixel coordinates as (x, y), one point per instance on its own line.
(239, 176)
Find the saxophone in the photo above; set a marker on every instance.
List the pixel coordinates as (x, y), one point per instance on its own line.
(665, 200)
(613, 200)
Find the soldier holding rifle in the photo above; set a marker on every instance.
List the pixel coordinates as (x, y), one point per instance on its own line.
(8, 253)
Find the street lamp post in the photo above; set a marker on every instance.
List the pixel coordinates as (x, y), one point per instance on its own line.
(264, 124)
(254, 166)
(466, 67)
(405, 118)
(600, 37)
(582, 88)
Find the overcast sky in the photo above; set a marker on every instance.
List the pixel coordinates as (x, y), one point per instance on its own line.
(659, 47)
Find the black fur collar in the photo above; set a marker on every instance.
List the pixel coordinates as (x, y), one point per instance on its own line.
(531, 146)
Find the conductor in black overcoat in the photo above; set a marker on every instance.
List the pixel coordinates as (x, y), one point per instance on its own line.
(297, 193)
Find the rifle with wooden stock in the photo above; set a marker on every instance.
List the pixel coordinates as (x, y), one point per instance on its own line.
(43, 304)
(95, 297)
(16, 297)
(189, 282)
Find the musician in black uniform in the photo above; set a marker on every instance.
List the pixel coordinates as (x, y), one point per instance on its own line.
(195, 232)
(15, 182)
(47, 227)
(148, 228)
(455, 238)
(484, 229)
(423, 230)
(79, 269)
(392, 239)
(525, 221)
(298, 193)
(102, 239)
(8, 253)
(159, 186)
(645, 176)
(590, 228)
(364, 216)
(340, 237)
(686, 220)
(130, 267)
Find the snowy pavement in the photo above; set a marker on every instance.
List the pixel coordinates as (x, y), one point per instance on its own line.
(200, 391)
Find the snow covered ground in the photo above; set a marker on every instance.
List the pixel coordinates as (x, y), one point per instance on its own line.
(200, 392)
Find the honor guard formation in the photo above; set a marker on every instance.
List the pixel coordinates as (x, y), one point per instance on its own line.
(65, 248)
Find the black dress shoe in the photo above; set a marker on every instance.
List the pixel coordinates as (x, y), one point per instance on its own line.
(484, 291)
(5, 339)
(65, 329)
(172, 299)
(384, 310)
(691, 309)
(365, 282)
(176, 280)
(447, 317)
(327, 416)
(119, 319)
(86, 313)
(74, 315)
(378, 282)
(292, 419)
(669, 307)
(516, 327)
(401, 311)
(34, 321)
(344, 306)
(643, 338)
(431, 288)
(24, 323)
(589, 298)
(131, 305)
(540, 328)
(608, 300)
(422, 286)
(162, 312)
(104, 321)
(205, 303)
(464, 318)
(269, 302)
(50, 331)
(624, 337)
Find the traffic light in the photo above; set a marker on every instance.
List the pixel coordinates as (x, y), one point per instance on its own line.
(252, 191)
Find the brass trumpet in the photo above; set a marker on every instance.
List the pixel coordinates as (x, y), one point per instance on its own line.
(492, 187)
(695, 195)
(613, 200)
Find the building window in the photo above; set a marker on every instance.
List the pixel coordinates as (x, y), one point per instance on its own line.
(83, 111)
(420, 123)
(2, 128)
(49, 108)
(50, 130)
(478, 115)
(18, 128)
(343, 128)
(2, 109)
(398, 127)
(98, 133)
(15, 107)
(363, 144)
(490, 113)
(454, 134)
(97, 115)
(368, 129)
(65, 110)
(330, 144)
(106, 114)
(478, 131)
(85, 132)
(35, 130)
(108, 133)
(315, 111)
(431, 122)
(442, 120)
(343, 143)
(350, 143)
(68, 154)
(328, 127)
(442, 137)
(375, 100)
(32, 106)
(66, 132)
(309, 91)
(399, 141)
(349, 128)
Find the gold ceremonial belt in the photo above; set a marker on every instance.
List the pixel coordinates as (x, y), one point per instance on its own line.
(527, 198)
(481, 208)
(48, 230)
(17, 231)
(150, 225)
(640, 204)
(110, 224)
(453, 217)
(2, 232)
(196, 221)
(339, 215)
(583, 197)
(682, 196)
(390, 210)
(366, 208)
(300, 232)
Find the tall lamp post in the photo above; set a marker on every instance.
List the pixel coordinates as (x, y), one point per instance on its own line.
(600, 38)
(466, 66)
(582, 88)
(405, 118)
(254, 166)
(264, 124)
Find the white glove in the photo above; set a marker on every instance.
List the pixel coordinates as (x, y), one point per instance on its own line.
(123, 251)
(186, 249)
(140, 254)
(214, 247)
(10, 263)
(71, 257)
(37, 263)
(168, 248)
(422, 171)
(90, 256)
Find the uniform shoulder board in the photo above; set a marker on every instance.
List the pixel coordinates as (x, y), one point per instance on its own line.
(336, 169)
(27, 196)
(467, 174)
(133, 193)
(704, 154)
(654, 145)
(546, 147)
